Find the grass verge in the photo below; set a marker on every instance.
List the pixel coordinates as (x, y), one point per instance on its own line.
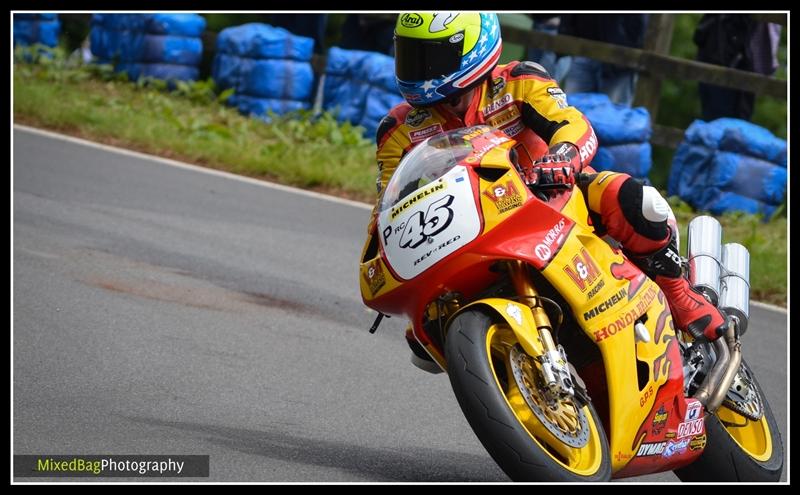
(192, 124)
(311, 153)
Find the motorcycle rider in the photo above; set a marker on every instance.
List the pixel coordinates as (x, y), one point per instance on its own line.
(446, 67)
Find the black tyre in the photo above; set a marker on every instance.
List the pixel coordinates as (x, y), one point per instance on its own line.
(486, 364)
(739, 449)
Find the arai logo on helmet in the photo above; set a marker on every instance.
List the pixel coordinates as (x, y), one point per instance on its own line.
(411, 20)
(456, 37)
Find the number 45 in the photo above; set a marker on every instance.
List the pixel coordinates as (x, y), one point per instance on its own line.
(421, 226)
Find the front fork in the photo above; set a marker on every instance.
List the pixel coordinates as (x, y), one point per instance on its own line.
(555, 368)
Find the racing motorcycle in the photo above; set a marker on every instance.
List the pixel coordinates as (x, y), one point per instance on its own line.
(561, 353)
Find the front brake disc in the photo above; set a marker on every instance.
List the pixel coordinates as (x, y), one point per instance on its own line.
(566, 421)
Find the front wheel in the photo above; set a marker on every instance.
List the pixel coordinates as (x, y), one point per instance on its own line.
(530, 436)
(739, 448)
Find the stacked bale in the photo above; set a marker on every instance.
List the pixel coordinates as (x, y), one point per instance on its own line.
(730, 165)
(268, 67)
(163, 46)
(30, 29)
(623, 134)
(360, 87)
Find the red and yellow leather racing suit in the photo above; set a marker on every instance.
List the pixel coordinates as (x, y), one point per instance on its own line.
(520, 98)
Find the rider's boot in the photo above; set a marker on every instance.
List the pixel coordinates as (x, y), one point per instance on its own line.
(691, 311)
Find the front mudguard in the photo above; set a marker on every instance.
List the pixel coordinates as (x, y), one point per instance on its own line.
(518, 317)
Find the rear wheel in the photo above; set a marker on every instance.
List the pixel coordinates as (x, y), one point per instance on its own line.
(531, 435)
(740, 448)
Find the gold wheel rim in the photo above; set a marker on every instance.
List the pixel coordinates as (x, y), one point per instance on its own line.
(585, 460)
(753, 437)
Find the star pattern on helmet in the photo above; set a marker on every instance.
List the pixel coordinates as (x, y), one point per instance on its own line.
(428, 85)
(484, 38)
(472, 56)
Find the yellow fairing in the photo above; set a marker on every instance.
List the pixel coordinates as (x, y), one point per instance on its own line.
(518, 317)
(607, 307)
(500, 198)
(375, 278)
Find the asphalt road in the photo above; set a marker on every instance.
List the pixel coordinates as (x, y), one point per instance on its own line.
(158, 310)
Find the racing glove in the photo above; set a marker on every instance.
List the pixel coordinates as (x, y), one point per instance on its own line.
(556, 169)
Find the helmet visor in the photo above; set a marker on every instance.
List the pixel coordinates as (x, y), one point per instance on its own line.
(418, 59)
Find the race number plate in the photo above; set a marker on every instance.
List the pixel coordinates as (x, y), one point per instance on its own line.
(429, 224)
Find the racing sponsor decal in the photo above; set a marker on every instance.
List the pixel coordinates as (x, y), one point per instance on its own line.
(472, 135)
(669, 434)
(647, 394)
(498, 83)
(374, 277)
(552, 239)
(514, 128)
(673, 256)
(542, 252)
(588, 148)
(623, 321)
(693, 422)
(622, 456)
(557, 94)
(698, 442)
(596, 289)
(691, 428)
(513, 311)
(436, 187)
(417, 116)
(423, 134)
(675, 447)
(482, 144)
(435, 249)
(693, 408)
(583, 270)
(411, 20)
(659, 420)
(497, 105)
(605, 305)
(505, 197)
(508, 115)
(563, 149)
(647, 449)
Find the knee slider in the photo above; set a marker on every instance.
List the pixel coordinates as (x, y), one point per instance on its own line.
(644, 209)
(654, 207)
